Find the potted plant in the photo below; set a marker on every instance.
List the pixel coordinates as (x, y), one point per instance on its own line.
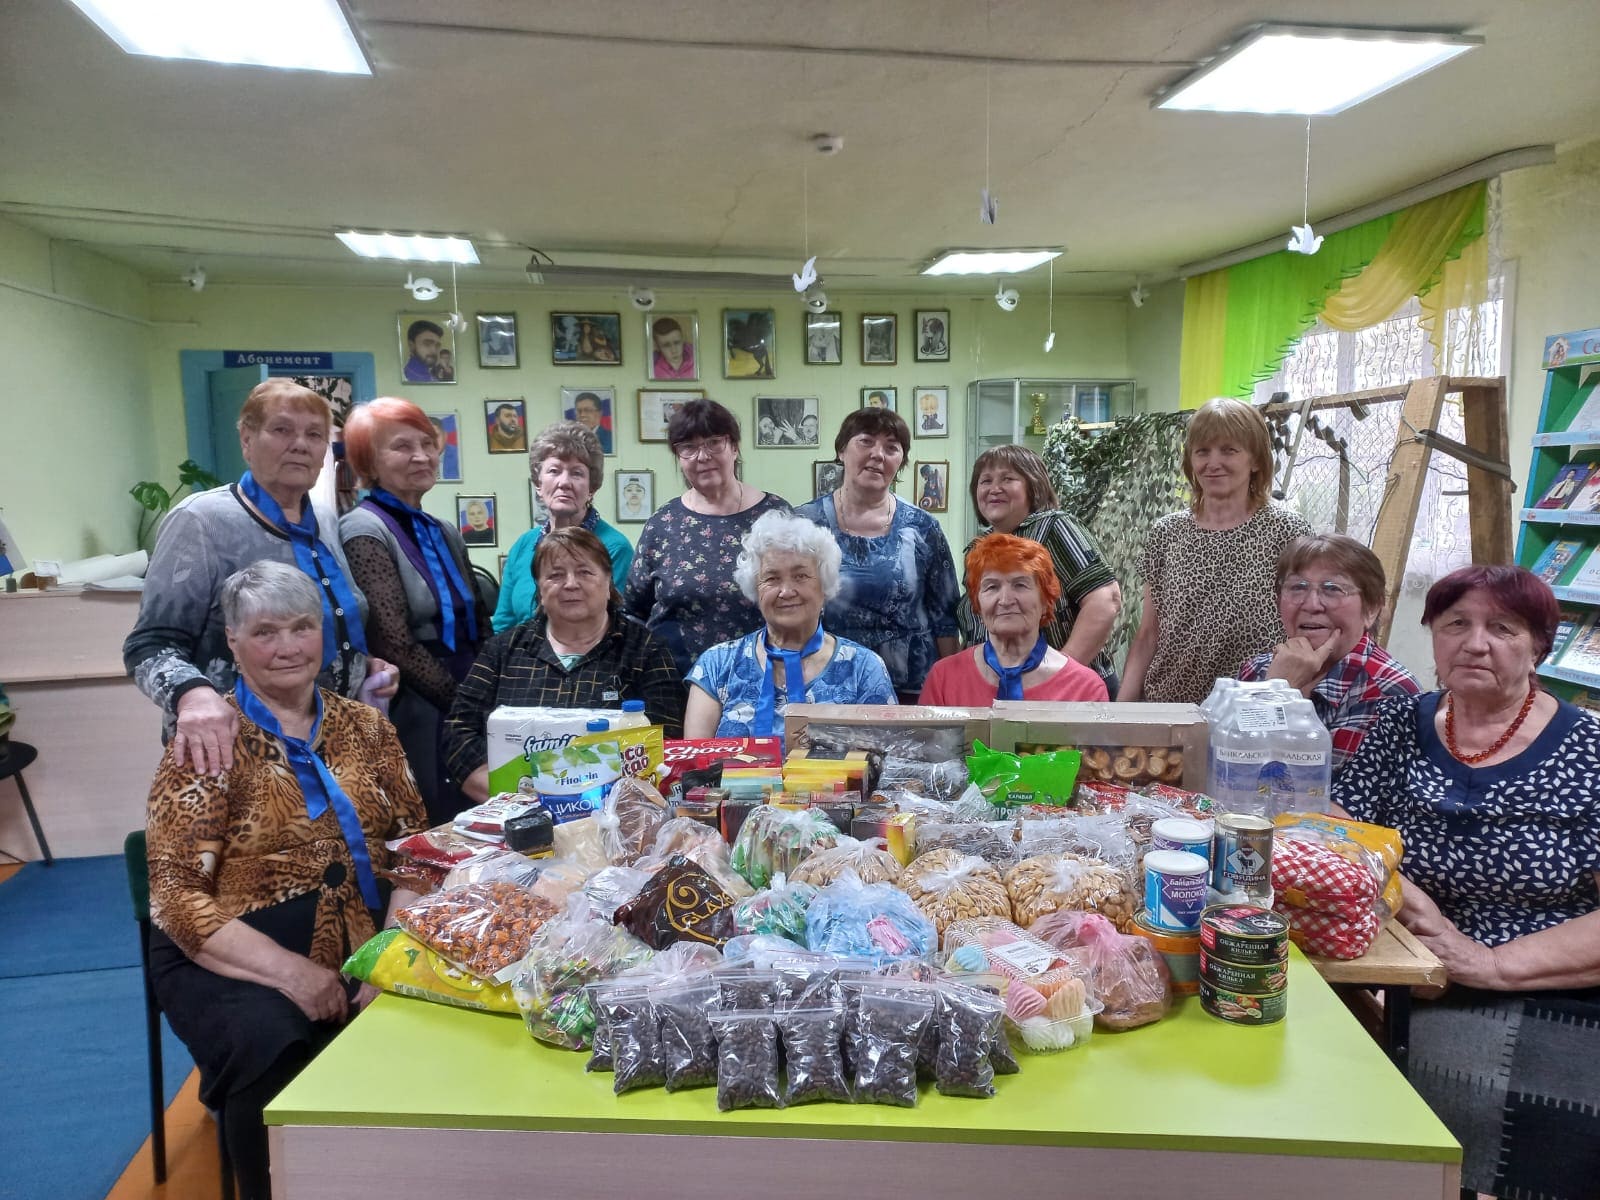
(156, 500)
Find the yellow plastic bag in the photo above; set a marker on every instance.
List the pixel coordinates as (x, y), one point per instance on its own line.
(1377, 847)
(394, 961)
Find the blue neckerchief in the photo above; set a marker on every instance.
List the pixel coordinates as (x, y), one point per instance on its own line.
(444, 577)
(794, 681)
(317, 783)
(1011, 677)
(313, 557)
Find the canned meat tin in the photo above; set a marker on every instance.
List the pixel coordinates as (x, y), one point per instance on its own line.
(1241, 856)
(1239, 1009)
(1244, 934)
(1264, 980)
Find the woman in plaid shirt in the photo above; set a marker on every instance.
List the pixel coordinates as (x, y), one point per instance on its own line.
(1330, 592)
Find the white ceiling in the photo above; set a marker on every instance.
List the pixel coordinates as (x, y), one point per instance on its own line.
(597, 133)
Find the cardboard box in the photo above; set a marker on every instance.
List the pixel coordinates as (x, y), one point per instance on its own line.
(1118, 740)
(948, 731)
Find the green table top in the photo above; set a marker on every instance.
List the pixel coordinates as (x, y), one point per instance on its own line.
(1315, 1084)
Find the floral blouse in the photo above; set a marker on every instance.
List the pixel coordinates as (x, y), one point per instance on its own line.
(681, 582)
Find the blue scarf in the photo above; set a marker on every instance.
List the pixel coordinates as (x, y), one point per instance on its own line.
(1011, 677)
(313, 557)
(443, 576)
(317, 783)
(794, 681)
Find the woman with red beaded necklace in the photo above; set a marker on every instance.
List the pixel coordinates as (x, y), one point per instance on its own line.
(1494, 785)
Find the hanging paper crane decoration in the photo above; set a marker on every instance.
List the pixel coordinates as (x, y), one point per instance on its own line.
(807, 276)
(1304, 241)
(988, 207)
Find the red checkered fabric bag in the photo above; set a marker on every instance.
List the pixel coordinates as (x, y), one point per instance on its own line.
(1329, 901)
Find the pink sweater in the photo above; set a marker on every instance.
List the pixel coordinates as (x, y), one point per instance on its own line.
(957, 680)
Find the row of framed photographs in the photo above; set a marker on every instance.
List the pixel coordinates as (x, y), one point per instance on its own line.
(477, 516)
(672, 347)
(781, 422)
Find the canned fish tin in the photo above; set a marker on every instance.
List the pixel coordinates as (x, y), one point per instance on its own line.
(1241, 857)
(1174, 889)
(1244, 934)
(1264, 979)
(1239, 1009)
(1182, 833)
(1180, 950)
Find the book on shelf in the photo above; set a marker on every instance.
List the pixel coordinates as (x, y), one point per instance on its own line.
(1582, 651)
(1565, 486)
(1571, 618)
(1557, 557)
(1587, 698)
(1587, 498)
(1588, 415)
(1587, 575)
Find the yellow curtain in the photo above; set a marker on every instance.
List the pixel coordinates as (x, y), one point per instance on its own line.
(1408, 264)
(1463, 286)
(1205, 324)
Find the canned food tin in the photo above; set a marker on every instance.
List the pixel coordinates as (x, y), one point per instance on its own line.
(1174, 889)
(1239, 1009)
(1241, 856)
(1263, 979)
(1180, 950)
(1182, 833)
(1244, 934)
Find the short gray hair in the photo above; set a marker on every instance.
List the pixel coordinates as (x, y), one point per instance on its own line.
(785, 531)
(568, 439)
(269, 589)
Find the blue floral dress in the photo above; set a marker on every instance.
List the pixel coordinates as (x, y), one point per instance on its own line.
(898, 593)
(731, 673)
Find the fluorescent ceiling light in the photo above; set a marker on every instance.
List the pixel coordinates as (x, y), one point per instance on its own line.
(410, 247)
(301, 35)
(1311, 71)
(988, 262)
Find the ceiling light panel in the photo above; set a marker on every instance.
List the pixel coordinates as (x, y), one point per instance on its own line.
(1311, 71)
(299, 35)
(988, 262)
(410, 247)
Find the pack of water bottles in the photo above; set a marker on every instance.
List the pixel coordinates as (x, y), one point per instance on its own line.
(1269, 753)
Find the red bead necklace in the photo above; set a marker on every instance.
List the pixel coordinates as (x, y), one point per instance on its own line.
(1511, 730)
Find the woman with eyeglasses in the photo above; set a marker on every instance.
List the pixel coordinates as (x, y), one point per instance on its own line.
(682, 581)
(1330, 592)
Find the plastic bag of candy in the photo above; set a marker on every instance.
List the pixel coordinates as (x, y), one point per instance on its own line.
(1007, 779)
(495, 866)
(483, 928)
(679, 902)
(774, 841)
(779, 910)
(571, 952)
(874, 921)
(609, 888)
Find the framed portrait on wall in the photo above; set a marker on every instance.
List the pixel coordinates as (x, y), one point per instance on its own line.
(787, 421)
(447, 432)
(826, 477)
(636, 496)
(506, 425)
(672, 346)
(880, 338)
(931, 417)
(748, 335)
(594, 409)
(656, 406)
(879, 397)
(592, 339)
(933, 335)
(497, 340)
(931, 484)
(477, 517)
(824, 339)
(427, 348)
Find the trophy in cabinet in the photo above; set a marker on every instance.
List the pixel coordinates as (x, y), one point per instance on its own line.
(1038, 399)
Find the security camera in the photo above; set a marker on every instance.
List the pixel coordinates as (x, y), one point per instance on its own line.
(827, 143)
(196, 279)
(643, 298)
(1007, 298)
(816, 300)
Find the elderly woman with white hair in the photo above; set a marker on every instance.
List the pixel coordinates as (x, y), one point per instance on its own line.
(790, 569)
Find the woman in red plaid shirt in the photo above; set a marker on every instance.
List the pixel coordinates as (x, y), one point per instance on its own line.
(1330, 592)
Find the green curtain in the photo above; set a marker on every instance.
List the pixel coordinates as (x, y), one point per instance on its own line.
(1240, 330)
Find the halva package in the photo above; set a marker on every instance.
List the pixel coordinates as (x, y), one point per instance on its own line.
(569, 757)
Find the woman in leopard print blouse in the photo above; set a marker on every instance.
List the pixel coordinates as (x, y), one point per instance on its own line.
(1210, 585)
(263, 877)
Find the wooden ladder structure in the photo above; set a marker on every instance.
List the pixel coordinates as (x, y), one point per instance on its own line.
(1485, 452)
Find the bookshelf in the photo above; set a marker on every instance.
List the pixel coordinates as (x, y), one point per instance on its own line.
(1559, 534)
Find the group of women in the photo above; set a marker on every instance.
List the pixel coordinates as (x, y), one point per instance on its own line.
(270, 813)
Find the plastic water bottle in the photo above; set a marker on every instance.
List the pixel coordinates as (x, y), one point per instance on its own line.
(1240, 750)
(633, 716)
(1302, 761)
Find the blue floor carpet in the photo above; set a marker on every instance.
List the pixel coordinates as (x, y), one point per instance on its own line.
(74, 1109)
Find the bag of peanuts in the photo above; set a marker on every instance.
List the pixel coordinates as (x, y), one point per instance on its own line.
(949, 886)
(482, 928)
(869, 859)
(1050, 882)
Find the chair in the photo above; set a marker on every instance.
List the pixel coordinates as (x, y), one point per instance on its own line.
(487, 587)
(15, 757)
(138, 867)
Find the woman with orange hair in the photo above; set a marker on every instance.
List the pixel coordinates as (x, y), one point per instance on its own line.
(1013, 582)
(424, 613)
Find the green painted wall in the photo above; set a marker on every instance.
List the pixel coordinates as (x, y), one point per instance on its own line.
(1155, 337)
(75, 404)
(1091, 340)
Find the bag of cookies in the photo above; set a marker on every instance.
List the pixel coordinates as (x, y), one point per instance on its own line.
(869, 859)
(1049, 882)
(680, 902)
(1126, 973)
(632, 815)
(948, 886)
(483, 928)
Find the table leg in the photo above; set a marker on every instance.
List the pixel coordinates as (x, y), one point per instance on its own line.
(1397, 1024)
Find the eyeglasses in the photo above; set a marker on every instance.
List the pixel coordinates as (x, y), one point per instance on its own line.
(1331, 593)
(709, 448)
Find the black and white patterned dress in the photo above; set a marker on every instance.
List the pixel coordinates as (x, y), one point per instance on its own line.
(1505, 850)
